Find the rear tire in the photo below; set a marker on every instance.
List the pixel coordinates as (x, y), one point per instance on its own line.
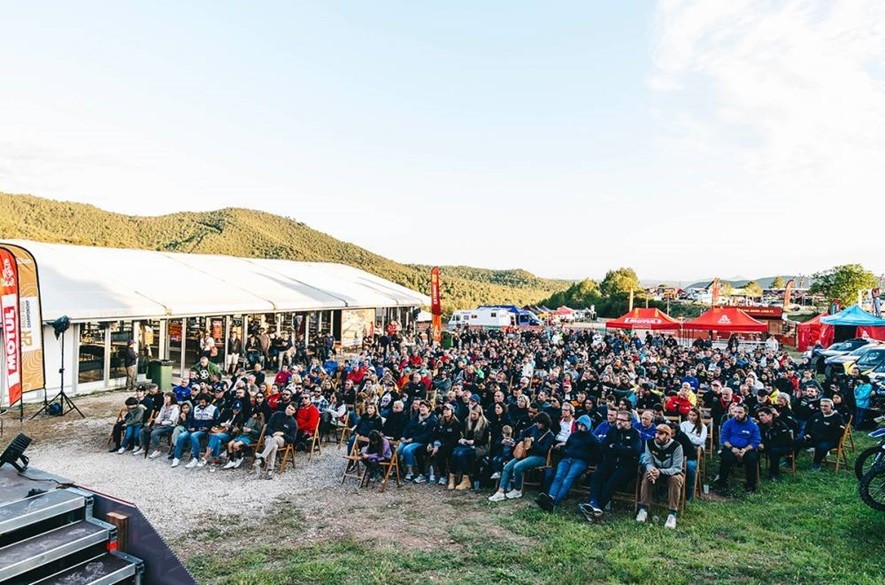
(872, 488)
(867, 459)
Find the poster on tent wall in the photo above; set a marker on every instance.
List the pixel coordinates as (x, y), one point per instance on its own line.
(11, 327)
(356, 325)
(435, 305)
(33, 376)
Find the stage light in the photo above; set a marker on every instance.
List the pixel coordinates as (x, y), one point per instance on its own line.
(14, 452)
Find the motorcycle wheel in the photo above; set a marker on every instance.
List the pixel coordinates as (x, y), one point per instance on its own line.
(872, 488)
(867, 459)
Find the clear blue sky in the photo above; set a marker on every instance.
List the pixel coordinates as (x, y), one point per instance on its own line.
(683, 139)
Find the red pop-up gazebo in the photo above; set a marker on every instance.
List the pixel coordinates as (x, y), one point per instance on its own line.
(644, 319)
(729, 319)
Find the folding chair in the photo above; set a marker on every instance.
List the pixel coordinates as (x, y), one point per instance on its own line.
(710, 447)
(841, 455)
(343, 434)
(673, 418)
(315, 443)
(119, 418)
(658, 488)
(257, 446)
(849, 434)
(528, 479)
(353, 466)
(391, 467)
(288, 454)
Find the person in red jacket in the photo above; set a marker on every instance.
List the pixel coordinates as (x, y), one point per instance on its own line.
(307, 417)
(680, 403)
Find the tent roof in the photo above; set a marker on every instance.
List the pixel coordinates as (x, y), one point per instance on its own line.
(816, 320)
(640, 318)
(853, 316)
(725, 319)
(90, 283)
(563, 310)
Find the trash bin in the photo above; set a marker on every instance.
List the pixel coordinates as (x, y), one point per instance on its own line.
(446, 339)
(160, 373)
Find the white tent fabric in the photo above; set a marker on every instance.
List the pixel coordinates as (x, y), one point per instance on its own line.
(90, 284)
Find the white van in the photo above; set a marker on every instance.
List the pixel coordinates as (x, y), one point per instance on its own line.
(458, 319)
(482, 317)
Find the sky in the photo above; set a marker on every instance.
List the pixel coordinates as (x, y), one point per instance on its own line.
(684, 139)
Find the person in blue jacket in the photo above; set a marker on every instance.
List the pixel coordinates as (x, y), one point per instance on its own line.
(579, 452)
(739, 440)
(538, 439)
(620, 461)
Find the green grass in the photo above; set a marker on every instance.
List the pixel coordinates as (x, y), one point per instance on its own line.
(809, 529)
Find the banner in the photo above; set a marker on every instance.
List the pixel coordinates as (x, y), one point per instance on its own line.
(788, 291)
(435, 305)
(714, 292)
(33, 374)
(9, 309)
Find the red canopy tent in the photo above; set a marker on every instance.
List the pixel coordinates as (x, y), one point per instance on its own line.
(812, 330)
(644, 319)
(730, 319)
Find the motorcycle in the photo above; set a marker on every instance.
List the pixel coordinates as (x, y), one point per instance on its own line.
(871, 456)
(871, 464)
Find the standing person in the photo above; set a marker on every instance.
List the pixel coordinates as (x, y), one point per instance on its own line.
(662, 461)
(264, 342)
(281, 429)
(620, 457)
(234, 350)
(130, 361)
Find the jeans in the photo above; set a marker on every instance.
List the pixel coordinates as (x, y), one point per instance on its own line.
(774, 460)
(194, 437)
(727, 460)
(130, 436)
(821, 448)
(217, 442)
(691, 474)
(408, 452)
(567, 472)
(860, 414)
(517, 467)
(463, 460)
(151, 436)
(606, 481)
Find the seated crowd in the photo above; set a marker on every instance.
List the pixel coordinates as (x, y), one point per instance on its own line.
(568, 408)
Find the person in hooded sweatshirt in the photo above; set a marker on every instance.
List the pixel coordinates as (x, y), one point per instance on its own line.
(579, 452)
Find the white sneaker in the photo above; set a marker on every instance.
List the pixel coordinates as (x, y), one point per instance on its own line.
(139, 452)
(121, 450)
(154, 455)
(175, 462)
(496, 475)
(230, 464)
(671, 522)
(513, 494)
(192, 464)
(238, 462)
(201, 463)
(497, 497)
(642, 516)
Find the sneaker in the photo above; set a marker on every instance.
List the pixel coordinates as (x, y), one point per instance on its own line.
(432, 478)
(545, 502)
(409, 477)
(175, 461)
(750, 489)
(155, 454)
(113, 449)
(497, 497)
(268, 475)
(420, 479)
(212, 468)
(671, 522)
(597, 511)
(496, 475)
(442, 480)
(513, 494)
(642, 516)
(815, 467)
(587, 511)
(237, 463)
(121, 450)
(139, 451)
(230, 464)
(201, 463)
(192, 464)
(259, 462)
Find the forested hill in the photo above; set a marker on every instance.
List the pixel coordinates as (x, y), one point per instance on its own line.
(256, 234)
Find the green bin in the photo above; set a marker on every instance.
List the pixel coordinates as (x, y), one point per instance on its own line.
(160, 373)
(446, 339)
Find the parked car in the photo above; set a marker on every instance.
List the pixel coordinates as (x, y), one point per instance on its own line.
(840, 363)
(818, 360)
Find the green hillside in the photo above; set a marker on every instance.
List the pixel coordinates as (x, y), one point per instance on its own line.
(256, 234)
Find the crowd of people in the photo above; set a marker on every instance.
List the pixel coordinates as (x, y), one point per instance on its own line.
(581, 408)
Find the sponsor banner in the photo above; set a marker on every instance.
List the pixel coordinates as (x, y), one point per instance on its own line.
(764, 312)
(33, 375)
(714, 292)
(788, 291)
(643, 321)
(435, 305)
(356, 325)
(11, 326)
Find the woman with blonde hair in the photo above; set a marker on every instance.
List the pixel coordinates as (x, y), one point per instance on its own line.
(473, 446)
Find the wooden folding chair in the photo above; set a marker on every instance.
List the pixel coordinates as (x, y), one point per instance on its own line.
(391, 467)
(288, 455)
(657, 488)
(673, 418)
(841, 455)
(353, 466)
(529, 480)
(258, 445)
(315, 443)
(849, 434)
(119, 418)
(710, 447)
(343, 435)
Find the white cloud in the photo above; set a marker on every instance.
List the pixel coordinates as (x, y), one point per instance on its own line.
(795, 92)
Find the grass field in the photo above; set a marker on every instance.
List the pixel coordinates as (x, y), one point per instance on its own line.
(809, 529)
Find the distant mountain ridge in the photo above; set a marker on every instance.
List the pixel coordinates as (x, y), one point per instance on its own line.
(256, 234)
